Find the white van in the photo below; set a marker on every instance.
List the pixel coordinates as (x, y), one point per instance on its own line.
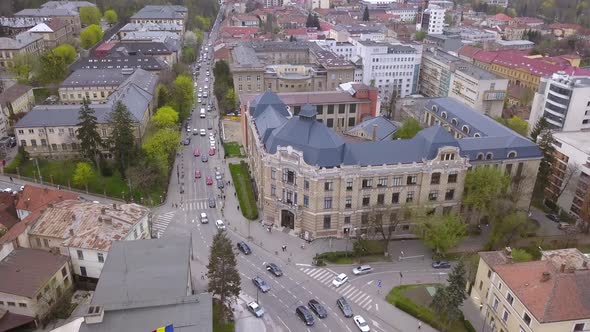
(202, 114)
(204, 219)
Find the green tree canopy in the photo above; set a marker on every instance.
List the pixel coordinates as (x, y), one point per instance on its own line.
(483, 185)
(447, 300)
(518, 125)
(409, 129)
(23, 66)
(165, 117)
(160, 147)
(366, 17)
(90, 36)
(202, 22)
(199, 35)
(121, 140)
(188, 55)
(52, 68)
(83, 174)
(90, 15)
(184, 95)
(539, 127)
(441, 233)
(520, 255)
(66, 52)
(164, 95)
(87, 133)
(222, 272)
(512, 225)
(229, 102)
(420, 35)
(111, 16)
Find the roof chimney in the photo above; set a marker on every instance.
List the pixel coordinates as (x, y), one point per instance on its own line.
(374, 137)
(73, 217)
(50, 205)
(585, 264)
(114, 206)
(546, 276)
(103, 211)
(71, 231)
(94, 315)
(562, 268)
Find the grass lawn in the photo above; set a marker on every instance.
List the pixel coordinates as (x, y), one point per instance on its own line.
(61, 172)
(243, 185)
(415, 300)
(233, 149)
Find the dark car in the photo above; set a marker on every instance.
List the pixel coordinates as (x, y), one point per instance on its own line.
(260, 284)
(204, 158)
(317, 308)
(211, 202)
(244, 248)
(441, 265)
(274, 269)
(187, 141)
(553, 217)
(305, 315)
(344, 307)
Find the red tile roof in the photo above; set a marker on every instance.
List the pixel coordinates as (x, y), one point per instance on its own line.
(32, 198)
(8, 216)
(502, 17)
(300, 31)
(566, 26)
(240, 31)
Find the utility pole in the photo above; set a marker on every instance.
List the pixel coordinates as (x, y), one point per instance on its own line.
(39, 171)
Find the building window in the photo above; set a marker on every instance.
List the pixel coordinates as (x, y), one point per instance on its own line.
(348, 184)
(330, 123)
(410, 197)
(33, 142)
(83, 271)
(411, 179)
(331, 109)
(452, 178)
(449, 194)
(306, 184)
(489, 273)
(273, 190)
(100, 257)
(382, 182)
(395, 198)
(327, 203)
(509, 298)
(508, 169)
(80, 255)
(64, 271)
(351, 122)
(364, 218)
(327, 222)
(273, 173)
(328, 186)
(480, 285)
(435, 178)
(367, 183)
(495, 304)
(397, 181)
(347, 220)
(288, 176)
(22, 305)
(366, 200)
(11, 304)
(46, 243)
(305, 201)
(433, 195)
(348, 202)
(341, 109)
(505, 315)
(381, 199)
(579, 327)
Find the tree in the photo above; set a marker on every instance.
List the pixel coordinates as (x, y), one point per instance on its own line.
(160, 147)
(164, 95)
(316, 21)
(22, 66)
(449, 18)
(545, 143)
(188, 55)
(52, 68)
(384, 223)
(292, 39)
(83, 174)
(541, 125)
(512, 225)
(66, 52)
(145, 174)
(309, 21)
(441, 233)
(184, 95)
(165, 117)
(224, 279)
(199, 34)
(483, 185)
(518, 125)
(90, 36)
(447, 300)
(366, 17)
(191, 40)
(229, 101)
(203, 23)
(90, 15)
(409, 129)
(111, 16)
(87, 133)
(520, 255)
(122, 141)
(420, 35)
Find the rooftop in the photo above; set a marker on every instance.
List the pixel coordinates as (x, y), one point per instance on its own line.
(92, 77)
(8, 216)
(32, 198)
(161, 12)
(13, 93)
(578, 139)
(150, 26)
(461, 65)
(314, 98)
(116, 60)
(384, 128)
(19, 41)
(25, 271)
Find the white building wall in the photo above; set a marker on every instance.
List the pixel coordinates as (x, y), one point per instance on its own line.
(17, 308)
(89, 261)
(437, 20)
(5, 249)
(579, 161)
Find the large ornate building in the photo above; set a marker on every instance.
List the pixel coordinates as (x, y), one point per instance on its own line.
(318, 184)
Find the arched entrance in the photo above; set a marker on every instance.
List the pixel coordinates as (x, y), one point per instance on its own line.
(287, 219)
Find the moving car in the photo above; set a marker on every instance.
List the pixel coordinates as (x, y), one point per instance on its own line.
(202, 113)
(243, 247)
(274, 269)
(211, 202)
(195, 132)
(304, 315)
(204, 219)
(187, 141)
(209, 180)
(220, 184)
(196, 153)
(317, 308)
(197, 174)
(218, 175)
(181, 189)
(260, 284)
(203, 132)
(361, 323)
(255, 309)
(204, 158)
(553, 217)
(188, 128)
(211, 151)
(563, 225)
(220, 225)
(363, 269)
(340, 280)
(441, 265)
(344, 307)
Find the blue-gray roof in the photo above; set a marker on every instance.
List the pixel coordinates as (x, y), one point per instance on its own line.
(160, 12)
(385, 128)
(322, 147)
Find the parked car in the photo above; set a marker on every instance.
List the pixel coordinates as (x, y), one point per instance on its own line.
(255, 309)
(220, 225)
(553, 217)
(274, 269)
(317, 308)
(304, 315)
(363, 269)
(211, 151)
(563, 225)
(188, 129)
(344, 307)
(187, 141)
(260, 284)
(340, 280)
(203, 132)
(197, 174)
(441, 265)
(361, 323)
(195, 132)
(218, 175)
(243, 247)
(181, 188)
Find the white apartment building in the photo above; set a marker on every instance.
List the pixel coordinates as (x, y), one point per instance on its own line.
(406, 13)
(436, 20)
(344, 50)
(273, 3)
(564, 101)
(322, 4)
(390, 66)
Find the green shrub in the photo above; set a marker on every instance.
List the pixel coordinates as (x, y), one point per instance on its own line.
(468, 326)
(18, 160)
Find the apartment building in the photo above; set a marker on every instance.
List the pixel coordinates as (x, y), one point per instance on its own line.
(67, 11)
(546, 295)
(33, 281)
(84, 231)
(564, 101)
(433, 20)
(344, 50)
(120, 61)
(161, 14)
(569, 182)
(312, 181)
(390, 67)
(174, 28)
(287, 67)
(360, 31)
(54, 32)
(167, 49)
(443, 75)
(405, 12)
(14, 100)
(24, 43)
(273, 3)
(91, 84)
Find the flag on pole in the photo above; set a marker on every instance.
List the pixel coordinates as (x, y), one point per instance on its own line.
(167, 328)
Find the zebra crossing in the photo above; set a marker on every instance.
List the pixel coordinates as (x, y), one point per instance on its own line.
(161, 222)
(350, 292)
(195, 205)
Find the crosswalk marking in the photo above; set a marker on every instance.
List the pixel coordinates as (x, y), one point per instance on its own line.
(347, 290)
(351, 292)
(195, 205)
(366, 305)
(161, 222)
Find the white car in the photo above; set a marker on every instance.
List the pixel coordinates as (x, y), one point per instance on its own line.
(200, 89)
(340, 280)
(206, 79)
(188, 129)
(212, 144)
(198, 100)
(220, 225)
(256, 309)
(199, 94)
(361, 323)
(204, 219)
(363, 269)
(203, 132)
(218, 175)
(7, 190)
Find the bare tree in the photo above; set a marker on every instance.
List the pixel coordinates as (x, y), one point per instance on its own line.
(570, 171)
(383, 221)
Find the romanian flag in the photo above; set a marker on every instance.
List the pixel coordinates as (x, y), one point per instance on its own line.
(167, 328)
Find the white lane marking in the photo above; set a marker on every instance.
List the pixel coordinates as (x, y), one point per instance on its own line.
(353, 293)
(370, 282)
(332, 271)
(349, 291)
(305, 270)
(358, 297)
(345, 288)
(366, 306)
(279, 317)
(301, 264)
(377, 306)
(314, 272)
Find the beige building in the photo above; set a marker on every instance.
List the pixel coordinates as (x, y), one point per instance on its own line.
(54, 32)
(93, 85)
(162, 14)
(548, 295)
(14, 100)
(309, 179)
(23, 43)
(67, 11)
(287, 67)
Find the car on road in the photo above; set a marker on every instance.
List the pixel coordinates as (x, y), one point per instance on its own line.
(197, 174)
(202, 113)
(260, 284)
(563, 225)
(212, 144)
(344, 307)
(187, 141)
(211, 202)
(243, 247)
(199, 95)
(218, 175)
(553, 217)
(188, 129)
(305, 315)
(203, 132)
(211, 151)
(441, 265)
(181, 189)
(204, 158)
(363, 269)
(220, 184)
(361, 323)
(195, 132)
(220, 225)
(340, 280)
(317, 308)
(255, 309)
(209, 180)
(196, 153)
(198, 100)
(274, 269)
(204, 219)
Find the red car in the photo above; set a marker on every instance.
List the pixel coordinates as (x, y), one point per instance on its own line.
(211, 151)
(197, 174)
(196, 152)
(209, 180)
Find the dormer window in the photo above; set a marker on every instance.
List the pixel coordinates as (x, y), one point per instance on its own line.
(454, 122)
(444, 115)
(465, 129)
(476, 135)
(511, 154)
(489, 156)
(435, 108)
(480, 156)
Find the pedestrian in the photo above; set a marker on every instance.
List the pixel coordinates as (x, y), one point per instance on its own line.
(235, 194)
(419, 325)
(202, 277)
(238, 208)
(11, 179)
